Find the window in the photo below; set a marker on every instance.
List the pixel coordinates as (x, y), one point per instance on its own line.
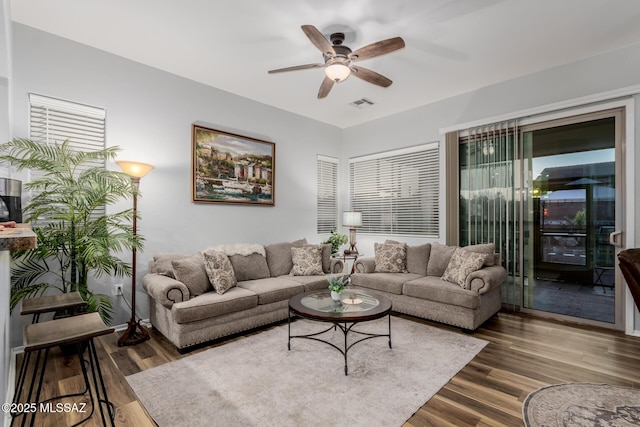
(327, 209)
(54, 120)
(397, 192)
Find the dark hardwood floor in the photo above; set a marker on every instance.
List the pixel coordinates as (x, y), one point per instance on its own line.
(523, 354)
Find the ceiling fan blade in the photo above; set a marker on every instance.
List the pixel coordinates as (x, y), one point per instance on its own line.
(378, 48)
(325, 87)
(296, 68)
(370, 76)
(319, 40)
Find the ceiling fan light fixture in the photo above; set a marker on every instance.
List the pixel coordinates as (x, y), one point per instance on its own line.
(337, 72)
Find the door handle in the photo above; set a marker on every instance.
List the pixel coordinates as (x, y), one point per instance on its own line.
(613, 238)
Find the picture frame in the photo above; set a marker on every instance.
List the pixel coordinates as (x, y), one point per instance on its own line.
(231, 168)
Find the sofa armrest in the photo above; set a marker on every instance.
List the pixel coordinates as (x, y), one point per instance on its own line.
(365, 265)
(165, 290)
(486, 279)
(337, 266)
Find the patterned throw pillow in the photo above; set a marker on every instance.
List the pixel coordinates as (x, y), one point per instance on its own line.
(461, 264)
(219, 270)
(307, 260)
(390, 257)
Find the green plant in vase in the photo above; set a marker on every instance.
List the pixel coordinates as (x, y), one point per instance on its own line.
(337, 285)
(336, 240)
(76, 239)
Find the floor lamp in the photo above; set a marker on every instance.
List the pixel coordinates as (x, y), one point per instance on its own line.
(135, 333)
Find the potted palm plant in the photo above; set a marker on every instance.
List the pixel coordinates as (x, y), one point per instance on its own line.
(77, 240)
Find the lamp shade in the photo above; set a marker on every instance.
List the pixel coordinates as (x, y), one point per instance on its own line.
(134, 169)
(352, 219)
(337, 72)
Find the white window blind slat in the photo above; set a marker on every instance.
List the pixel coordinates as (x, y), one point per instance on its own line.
(55, 121)
(397, 192)
(327, 196)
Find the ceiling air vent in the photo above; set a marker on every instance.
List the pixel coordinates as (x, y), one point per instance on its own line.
(362, 103)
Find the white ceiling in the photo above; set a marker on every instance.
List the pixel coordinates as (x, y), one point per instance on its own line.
(452, 46)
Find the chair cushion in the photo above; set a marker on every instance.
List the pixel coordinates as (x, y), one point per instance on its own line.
(307, 260)
(435, 289)
(191, 271)
(272, 289)
(219, 270)
(212, 304)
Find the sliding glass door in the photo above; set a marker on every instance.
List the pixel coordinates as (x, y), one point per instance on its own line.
(570, 217)
(549, 196)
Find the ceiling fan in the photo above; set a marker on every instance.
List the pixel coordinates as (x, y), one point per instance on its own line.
(338, 59)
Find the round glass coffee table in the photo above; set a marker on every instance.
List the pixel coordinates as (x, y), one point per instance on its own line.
(355, 306)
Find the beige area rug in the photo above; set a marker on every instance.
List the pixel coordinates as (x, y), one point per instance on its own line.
(256, 381)
(582, 405)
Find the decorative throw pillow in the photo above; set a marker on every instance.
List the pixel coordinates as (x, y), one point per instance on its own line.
(192, 273)
(219, 270)
(307, 260)
(390, 257)
(462, 264)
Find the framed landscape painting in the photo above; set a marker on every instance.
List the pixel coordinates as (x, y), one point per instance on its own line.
(230, 168)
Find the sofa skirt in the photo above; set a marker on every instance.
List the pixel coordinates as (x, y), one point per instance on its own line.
(184, 335)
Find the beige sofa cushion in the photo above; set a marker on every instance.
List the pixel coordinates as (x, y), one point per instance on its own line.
(387, 282)
(484, 248)
(435, 289)
(192, 273)
(250, 267)
(439, 259)
(279, 257)
(311, 283)
(162, 263)
(417, 257)
(212, 304)
(272, 289)
(326, 258)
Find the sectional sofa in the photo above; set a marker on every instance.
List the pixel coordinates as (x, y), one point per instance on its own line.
(189, 305)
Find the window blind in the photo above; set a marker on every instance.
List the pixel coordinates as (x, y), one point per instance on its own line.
(55, 121)
(327, 197)
(397, 191)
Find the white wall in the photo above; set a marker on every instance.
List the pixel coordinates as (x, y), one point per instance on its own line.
(149, 115)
